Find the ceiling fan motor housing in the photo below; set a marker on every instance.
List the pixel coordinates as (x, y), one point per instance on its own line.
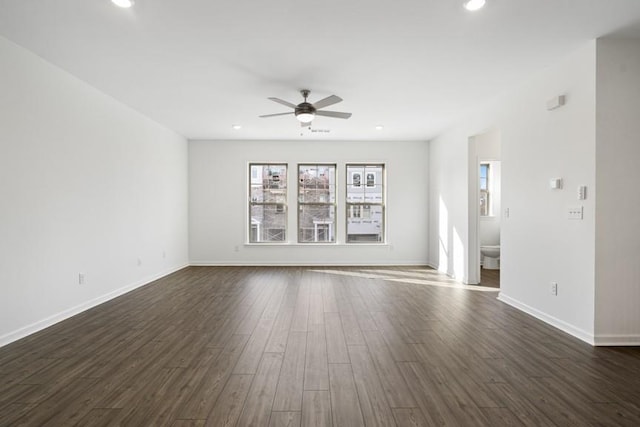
(305, 108)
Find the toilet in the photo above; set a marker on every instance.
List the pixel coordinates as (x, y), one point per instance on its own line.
(490, 257)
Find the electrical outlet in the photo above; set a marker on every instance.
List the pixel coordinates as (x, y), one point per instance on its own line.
(554, 288)
(574, 212)
(81, 278)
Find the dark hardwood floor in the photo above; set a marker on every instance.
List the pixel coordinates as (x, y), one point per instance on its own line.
(253, 346)
(490, 278)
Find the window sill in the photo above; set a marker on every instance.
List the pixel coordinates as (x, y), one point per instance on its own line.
(296, 244)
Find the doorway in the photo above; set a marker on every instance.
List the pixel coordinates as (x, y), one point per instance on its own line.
(484, 202)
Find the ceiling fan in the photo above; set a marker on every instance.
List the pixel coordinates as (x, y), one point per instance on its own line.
(305, 111)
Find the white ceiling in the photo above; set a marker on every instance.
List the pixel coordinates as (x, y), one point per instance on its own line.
(414, 66)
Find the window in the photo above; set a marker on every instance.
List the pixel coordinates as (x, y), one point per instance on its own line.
(365, 203)
(267, 203)
(316, 203)
(485, 195)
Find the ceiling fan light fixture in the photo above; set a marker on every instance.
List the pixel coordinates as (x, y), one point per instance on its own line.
(123, 3)
(305, 112)
(305, 117)
(474, 5)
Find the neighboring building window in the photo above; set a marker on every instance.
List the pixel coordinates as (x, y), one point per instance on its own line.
(485, 185)
(356, 178)
(267, 203)
(371, 179)
(316, 203)
(365, 203)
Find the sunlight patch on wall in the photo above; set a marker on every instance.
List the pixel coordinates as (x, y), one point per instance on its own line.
(458, 256)
(443, 237)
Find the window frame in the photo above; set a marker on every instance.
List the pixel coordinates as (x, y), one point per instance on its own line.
(281, 208)
(333, 205)
(367, 205)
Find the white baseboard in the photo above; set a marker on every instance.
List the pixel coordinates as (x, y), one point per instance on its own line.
(551, 320)
(65, 314)
(617, 340)
(306, 264)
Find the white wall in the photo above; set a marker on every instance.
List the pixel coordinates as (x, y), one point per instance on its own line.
(86, 185)
(539, 244)
(618, 200)
(218, 173)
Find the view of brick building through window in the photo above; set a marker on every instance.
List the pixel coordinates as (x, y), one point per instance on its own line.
(316, 203)
(364, 203)
(268, 203)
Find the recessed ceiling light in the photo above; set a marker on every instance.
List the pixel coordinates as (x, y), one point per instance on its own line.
(474, 4)
(236, 127)
(379, 127)
(123, 3)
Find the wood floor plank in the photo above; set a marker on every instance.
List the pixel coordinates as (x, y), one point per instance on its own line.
(424, 388)
(336, 345)
(12, 412)
(329, 302)
(614, 414)
(316, 309)
(316, 371)
(395, 387)
(257, 408)
(523, 408)
(229, 404)
(399, 347)
(277, 342)
(344, 396)
(501, 417)
(189, 423)
(352, 332)
(373, 403)
(100, 417)
(159, 403)
(61, 407)
(316, 409)
(291, 381)
(252, 353)
(285, 419)
(410, 417)
(363, 316)
(202, 398)
(318, 346)
(301, 309)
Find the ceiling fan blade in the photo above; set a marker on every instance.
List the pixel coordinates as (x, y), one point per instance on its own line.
(329, 100)
(280, 101)
(277, 114)
(336, 114)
